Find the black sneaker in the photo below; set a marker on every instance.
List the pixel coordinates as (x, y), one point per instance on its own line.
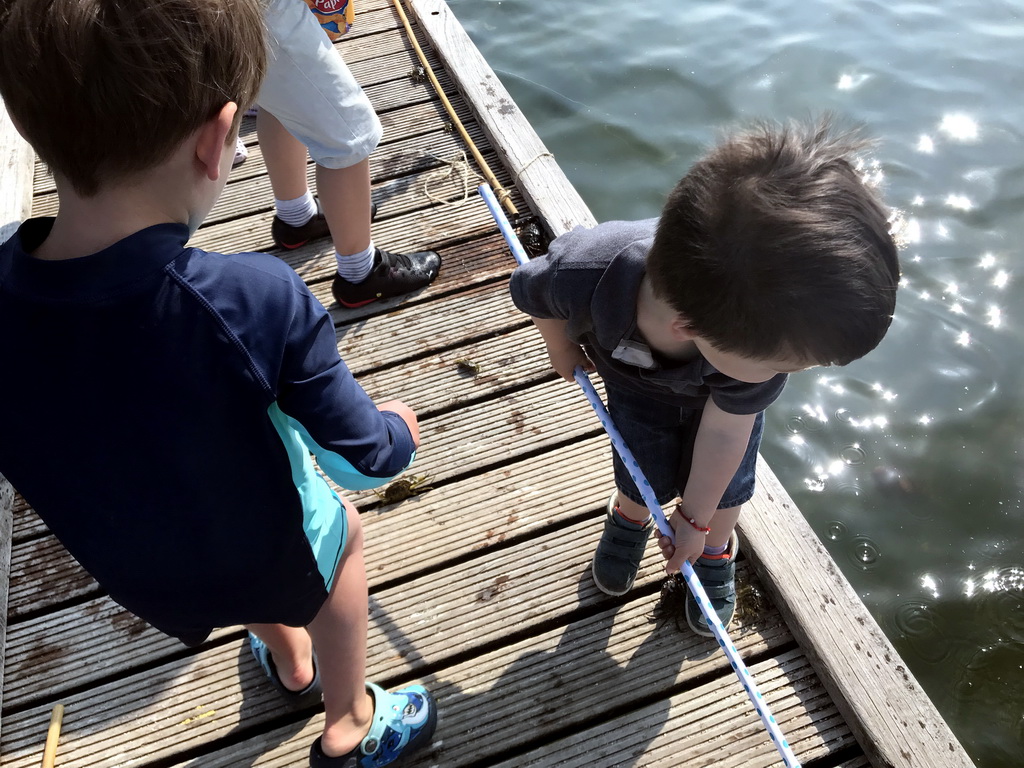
(289, 237)
(393, 274)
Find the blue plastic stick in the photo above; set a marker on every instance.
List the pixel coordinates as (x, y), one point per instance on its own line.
(780, 742)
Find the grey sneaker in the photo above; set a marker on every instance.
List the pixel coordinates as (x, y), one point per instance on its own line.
(618, 554)
(717, 574)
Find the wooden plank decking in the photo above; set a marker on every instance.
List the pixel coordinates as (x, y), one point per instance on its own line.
(480, 586)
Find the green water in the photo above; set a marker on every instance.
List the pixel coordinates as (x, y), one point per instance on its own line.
(907, 463)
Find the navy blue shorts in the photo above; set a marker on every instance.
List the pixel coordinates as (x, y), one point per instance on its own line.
(661, 438)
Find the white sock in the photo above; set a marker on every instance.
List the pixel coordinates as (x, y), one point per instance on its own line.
(356, 266)
(240, 152)
(296, 212)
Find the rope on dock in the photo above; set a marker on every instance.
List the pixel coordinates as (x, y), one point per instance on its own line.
(500, 192)
(457, 166)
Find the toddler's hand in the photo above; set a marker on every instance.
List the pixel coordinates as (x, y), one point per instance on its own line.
(689, 543)
(565, 358)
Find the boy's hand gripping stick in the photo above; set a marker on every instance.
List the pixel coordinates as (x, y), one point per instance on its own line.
(692, 582)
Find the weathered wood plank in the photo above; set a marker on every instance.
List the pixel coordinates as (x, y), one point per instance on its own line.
(533, 167)
(390, 338)
(45, 575)
(491, 433)
(710, 725)
(26, 523)
(6, 532)
(895, 722)
(616, 652)
(536, 583)
(445, 380)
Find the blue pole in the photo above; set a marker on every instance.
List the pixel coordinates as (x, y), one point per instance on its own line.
(719, 631)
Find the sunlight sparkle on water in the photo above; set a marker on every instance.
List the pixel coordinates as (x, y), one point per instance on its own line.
(816, 412)
(959, 126)
(925, 420)
(849, 82)
(929, 583)
(960, 202)
(836, 467)
(987, 261)
(995, 316)
(1001, 279)
(1006, 580)
(911, 232)
(952, 289)
(797, 439)
(963, 339)
(925, 144)
(957, 308)
(943, 231)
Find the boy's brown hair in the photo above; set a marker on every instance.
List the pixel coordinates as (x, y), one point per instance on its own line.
(773, 246)
(103, 89)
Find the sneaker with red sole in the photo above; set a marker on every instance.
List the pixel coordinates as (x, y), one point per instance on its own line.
(393, 274)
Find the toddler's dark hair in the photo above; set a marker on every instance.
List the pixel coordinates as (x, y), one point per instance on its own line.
(772, 246)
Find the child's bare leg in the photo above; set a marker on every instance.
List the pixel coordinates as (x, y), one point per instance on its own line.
(722, 526)
(637, 513)
(345, 199)
(339, 636)
(291, 650)
(284, 156)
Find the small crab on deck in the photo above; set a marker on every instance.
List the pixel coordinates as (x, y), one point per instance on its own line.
(467, 366)
(751, 602)
(403, 489)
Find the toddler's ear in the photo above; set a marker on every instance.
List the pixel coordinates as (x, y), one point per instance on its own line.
(213, 138)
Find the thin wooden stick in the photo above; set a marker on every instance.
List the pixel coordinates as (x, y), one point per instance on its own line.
(499, 191)
(50, 753)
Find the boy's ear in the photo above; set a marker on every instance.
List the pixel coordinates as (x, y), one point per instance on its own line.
(212, 140)
(681, 329)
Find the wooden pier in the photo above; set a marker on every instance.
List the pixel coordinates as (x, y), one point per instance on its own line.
(480, 585)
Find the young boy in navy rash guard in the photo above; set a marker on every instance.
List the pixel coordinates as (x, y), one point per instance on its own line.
(770, 256)
(167, 399)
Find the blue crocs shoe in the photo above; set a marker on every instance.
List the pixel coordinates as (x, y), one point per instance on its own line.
(403, 722)
(307, 696)
(717, 574)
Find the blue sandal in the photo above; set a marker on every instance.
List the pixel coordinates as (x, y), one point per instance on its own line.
(403, 722)
(307, 696)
